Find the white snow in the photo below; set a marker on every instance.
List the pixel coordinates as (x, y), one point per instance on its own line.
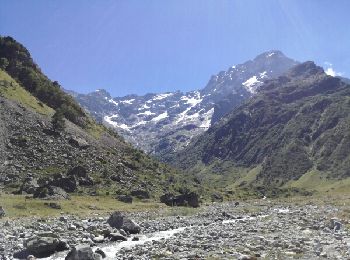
(270, 54)
(160, 117)
(109, 120)
(146, 113)
(196, 99)
(207, 118)
(128, 101)
(112, 101)
(263, 74)
(162, 96)
(251, 84)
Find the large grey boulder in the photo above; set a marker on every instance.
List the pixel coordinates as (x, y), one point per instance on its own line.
(141, 194)
(124, 198)
(82, 252)
(190, 199)
(29, 186)
(44, 245)
(120, 221)
(50, 193)
(69, 184)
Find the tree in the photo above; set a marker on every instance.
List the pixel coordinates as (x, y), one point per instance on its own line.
(57, 121)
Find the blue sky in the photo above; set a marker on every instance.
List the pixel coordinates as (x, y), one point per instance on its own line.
(156, 46)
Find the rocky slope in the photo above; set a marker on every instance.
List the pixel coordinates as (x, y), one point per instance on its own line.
(163, 123)
(296, 126)
(82, 157)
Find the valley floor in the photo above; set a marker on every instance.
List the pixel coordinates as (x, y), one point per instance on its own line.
(298, 228)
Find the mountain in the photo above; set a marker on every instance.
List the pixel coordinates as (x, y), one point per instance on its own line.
(295, 131)
(34, 152)
(162, 124)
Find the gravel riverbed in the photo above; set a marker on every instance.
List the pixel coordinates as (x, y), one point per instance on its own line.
(259, 230)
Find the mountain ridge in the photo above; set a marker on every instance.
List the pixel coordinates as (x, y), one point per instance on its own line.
(164, 123)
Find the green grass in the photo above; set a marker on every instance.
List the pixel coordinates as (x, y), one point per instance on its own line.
(318, 181)
(13, 91)
(18, 206)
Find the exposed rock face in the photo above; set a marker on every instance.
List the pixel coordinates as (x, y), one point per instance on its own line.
(120, 221)
(163, 123)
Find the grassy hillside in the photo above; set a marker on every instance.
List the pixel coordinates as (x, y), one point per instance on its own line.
(31, 149)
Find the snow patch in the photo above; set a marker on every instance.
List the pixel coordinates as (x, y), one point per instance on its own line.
(128, 101)
(251, 84)
(162, 96)
(112, 101)
(160, 117)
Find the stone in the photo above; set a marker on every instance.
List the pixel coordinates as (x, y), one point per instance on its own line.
(117, 237)
(29, 186)
(141, 194)
(51, 193)
(78, 142)
(335, 224)
(44, 245)
(217, 197)
(120, 221)
(189, 199)
(78, 171)
(124, 198)
(2, 212)
(82, 252)
(69, 184)
(100, 252)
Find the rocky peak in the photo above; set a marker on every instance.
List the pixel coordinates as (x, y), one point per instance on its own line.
(305, 69)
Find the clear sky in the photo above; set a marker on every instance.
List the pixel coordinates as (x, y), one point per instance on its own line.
(134, 46)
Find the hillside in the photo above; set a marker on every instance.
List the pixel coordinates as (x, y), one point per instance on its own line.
(164, 123)
(88, 158)
(295, 130)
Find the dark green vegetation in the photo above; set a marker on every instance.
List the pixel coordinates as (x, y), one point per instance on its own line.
(296, 127)
(17, 62)
(44, 134)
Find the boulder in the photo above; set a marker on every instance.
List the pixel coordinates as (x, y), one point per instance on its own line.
(78, 142)
(82, 252)
(69, 184)
(78, 171)
(50, 193)
(217, 197)
(88, 181)
(124, 198)
(117, 237)
(29, 186)
(141, 194)
(120, 221)
(335, 224)
(44, 245)
(2, 212)
(189, 199)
